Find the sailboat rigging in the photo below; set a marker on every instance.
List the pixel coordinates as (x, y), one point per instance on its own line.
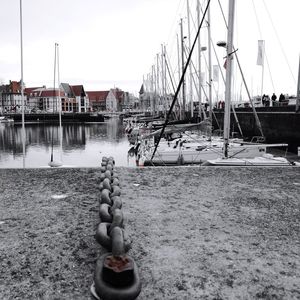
(181, 81)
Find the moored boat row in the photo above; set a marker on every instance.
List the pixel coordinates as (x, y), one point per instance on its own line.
(181, 147)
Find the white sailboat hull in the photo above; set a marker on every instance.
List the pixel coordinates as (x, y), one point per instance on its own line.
(263, 161)
(200, 154)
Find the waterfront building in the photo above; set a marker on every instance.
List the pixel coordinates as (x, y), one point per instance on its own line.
(145, 99)
(97, 100)
(44, 99)
(149, 100)
(76, 99)
(81, 97)
(113, 100)
(129, 102)
(10, 97)
(73, 98)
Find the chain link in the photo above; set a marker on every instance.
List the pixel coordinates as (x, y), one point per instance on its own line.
(116, 275)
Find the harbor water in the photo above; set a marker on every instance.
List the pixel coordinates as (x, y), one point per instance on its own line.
(82, 145)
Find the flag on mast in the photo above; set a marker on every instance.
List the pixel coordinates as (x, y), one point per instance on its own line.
(261, 53)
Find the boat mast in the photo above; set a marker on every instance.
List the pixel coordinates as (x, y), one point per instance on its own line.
(58, 83)
(261, 44)
(157, 85)
(190, 66)
(170, 87)
(54, 97)
(209, 68)
(152, 92)
(155, 90)
(199, 61)
(163, 79)
(179, 75)
(182, 66)
(59, 103)
(22, 86)
(298, 90)
(54, 78)
(229, 56)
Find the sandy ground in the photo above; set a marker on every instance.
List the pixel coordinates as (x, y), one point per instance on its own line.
(198, 232)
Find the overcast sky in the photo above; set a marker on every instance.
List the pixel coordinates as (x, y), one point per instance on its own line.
(104, 43)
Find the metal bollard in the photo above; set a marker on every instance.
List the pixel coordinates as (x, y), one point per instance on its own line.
(108, 289)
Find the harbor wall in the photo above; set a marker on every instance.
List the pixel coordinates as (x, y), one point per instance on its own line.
(54, 117)
(278, 125)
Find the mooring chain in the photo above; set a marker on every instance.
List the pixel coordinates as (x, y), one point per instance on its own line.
(116, 275)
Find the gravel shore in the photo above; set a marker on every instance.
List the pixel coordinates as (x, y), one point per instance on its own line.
(198, 232)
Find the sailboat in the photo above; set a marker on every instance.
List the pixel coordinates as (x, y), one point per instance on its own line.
(227, 159)
(184, 151)
(56, 163)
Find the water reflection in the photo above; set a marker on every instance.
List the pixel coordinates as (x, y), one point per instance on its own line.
(83, 144)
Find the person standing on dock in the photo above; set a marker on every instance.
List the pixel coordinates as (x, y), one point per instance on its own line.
(223, 105)
(281, 99)
(274, 97)
(263, 100)
(267, 100)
